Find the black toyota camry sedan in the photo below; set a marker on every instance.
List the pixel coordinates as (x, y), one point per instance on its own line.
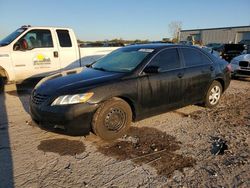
(127, 85)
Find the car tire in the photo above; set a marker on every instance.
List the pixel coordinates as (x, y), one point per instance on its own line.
(213, 94)
(1, 84)
(112, 119)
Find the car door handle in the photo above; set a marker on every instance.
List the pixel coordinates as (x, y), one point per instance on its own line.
(56, 54)
(180, 75)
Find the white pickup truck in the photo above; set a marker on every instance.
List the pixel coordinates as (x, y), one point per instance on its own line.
(31, 52)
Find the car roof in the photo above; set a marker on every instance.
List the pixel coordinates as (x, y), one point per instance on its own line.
(158, 46)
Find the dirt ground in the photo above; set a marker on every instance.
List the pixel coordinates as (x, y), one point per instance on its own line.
(168, 150)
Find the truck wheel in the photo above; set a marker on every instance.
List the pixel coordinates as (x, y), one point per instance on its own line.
(112, 119)
(1, 84)
(213, 94)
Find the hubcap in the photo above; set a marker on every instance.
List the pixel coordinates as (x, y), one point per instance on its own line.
(115, 119)
(214, 95)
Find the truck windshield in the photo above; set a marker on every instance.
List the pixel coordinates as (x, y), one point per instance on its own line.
(122, 60)
(7, 40)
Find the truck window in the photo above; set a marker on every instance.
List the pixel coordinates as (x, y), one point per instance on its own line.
(39, 39)
(64, 38)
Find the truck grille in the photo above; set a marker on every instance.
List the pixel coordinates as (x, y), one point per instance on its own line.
(38, 98)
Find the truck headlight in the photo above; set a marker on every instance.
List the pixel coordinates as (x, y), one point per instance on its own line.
(72, 99)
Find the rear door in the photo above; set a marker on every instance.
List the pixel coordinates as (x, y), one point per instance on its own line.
(162, 91)
(67, 49)
(197, 74)
(38, 59)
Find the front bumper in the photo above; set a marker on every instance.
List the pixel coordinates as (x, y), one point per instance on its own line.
(241, 73)
(69, 119)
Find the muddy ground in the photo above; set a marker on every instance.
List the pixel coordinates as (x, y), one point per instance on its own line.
(168, 150)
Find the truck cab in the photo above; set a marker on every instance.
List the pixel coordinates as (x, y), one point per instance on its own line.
(32, 52)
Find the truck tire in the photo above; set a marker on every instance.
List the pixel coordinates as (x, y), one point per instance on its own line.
(213, 94)
(1, 84)
(112, 119)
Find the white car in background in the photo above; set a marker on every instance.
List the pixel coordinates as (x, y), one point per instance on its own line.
(241, 66)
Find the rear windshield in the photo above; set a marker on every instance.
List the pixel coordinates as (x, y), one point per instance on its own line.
(7, 40)
(122, 60)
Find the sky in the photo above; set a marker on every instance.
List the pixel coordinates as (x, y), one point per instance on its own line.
(127, 19)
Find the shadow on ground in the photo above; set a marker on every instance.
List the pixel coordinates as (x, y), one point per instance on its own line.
(23, 92)
(148, 146)
(6, 163)
(62, 146)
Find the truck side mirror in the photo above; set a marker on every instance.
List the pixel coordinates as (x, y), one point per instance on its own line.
(151, 69)
(16, 47)
(21, 45)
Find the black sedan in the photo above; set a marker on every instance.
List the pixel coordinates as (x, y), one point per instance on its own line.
(127, 85)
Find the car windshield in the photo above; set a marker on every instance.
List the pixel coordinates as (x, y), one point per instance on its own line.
(7, 40)
(122, 60)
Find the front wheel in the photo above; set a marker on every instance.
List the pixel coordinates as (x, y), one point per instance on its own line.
(112, 119)
(1, 84)
(213, 94)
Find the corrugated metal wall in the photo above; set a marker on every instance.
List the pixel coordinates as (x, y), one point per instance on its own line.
(218, 35)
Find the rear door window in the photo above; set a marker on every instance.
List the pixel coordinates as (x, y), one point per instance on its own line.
(64, 38)
(167, 60)
(193, 57)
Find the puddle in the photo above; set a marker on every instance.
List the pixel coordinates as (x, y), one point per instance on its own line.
(62, 146)
(148, 146)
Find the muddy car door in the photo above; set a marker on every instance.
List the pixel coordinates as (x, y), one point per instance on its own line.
(198, 74)
(161, 83)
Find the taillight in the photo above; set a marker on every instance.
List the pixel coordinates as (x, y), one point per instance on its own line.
(229, 67)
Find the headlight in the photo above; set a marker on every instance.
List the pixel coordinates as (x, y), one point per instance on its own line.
(72, 99)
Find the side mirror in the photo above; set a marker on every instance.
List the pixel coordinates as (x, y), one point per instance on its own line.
(151, 69)
(21, 45)
(16, 47)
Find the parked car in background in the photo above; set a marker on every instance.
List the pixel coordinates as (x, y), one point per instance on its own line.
(214, 46)
(31, 52)
(241, 66)
(186, 43)
(229, 51)
(246, 43)
(211, 51)
(129, 84)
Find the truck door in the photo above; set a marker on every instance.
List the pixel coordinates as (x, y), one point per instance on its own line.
(68, 49)
(38, 57)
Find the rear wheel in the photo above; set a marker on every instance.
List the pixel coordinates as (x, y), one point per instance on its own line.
(213, 94)
(112, 119)
(1, 84)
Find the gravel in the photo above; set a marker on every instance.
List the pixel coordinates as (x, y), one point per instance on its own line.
(169, 150)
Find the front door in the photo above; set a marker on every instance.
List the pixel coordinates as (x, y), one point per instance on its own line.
(38, 57)
(163, 90)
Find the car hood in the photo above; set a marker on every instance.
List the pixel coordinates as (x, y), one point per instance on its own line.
(244, 57)
(74, 81)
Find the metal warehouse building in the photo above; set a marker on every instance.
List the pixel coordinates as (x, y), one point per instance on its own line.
(216, 35)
